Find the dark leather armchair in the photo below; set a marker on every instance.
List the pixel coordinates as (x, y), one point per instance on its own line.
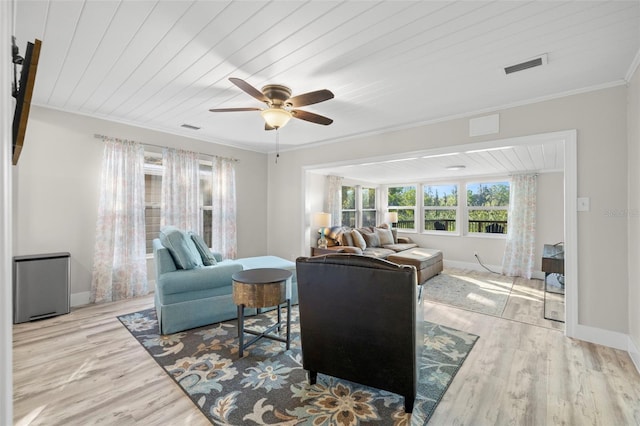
(361, 320)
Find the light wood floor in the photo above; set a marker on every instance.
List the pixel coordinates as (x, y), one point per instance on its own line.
(85, 368)
(526, 300)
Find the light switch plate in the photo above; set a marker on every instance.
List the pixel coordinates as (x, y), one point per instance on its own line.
(583, 204)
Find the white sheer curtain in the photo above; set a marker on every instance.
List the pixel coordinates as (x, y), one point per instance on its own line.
(119, 260)
(519, 254)
(334, 199)
(180, 202)
(223, 214)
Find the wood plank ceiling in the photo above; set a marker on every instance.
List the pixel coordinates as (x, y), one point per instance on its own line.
(390, 64)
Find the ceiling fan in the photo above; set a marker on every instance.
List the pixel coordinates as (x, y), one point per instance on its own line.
(280, 105)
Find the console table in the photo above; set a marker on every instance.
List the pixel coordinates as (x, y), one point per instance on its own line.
(552, 263)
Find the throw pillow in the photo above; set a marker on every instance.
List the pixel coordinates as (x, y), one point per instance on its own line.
(385, 236)
(203, 249)
(347, 239)
(182, 249)
(358, 240)
(371, 239)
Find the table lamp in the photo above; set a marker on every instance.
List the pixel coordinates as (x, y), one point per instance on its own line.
(323, 221)
(391, 217)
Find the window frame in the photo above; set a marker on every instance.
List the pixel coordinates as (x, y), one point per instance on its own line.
(468, 209)
(359, 209)
(414, 208)
(157, 170)
(456, 208)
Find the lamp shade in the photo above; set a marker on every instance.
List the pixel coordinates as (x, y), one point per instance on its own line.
(322, 220)
(276, 117)
(391, 217)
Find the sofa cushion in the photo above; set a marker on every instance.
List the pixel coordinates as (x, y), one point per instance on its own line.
(358, 239)
(400, 246)
(385, 236)
(207, 257)
(371, 239)
(182, 248)
(379, 252)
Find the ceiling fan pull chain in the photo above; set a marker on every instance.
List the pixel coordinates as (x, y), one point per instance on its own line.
(277, 145)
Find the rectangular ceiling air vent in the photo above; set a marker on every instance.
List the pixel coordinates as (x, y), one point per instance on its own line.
(531, 63)
(189, 126)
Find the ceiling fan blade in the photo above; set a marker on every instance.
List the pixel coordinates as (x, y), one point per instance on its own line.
(310, 98)
(309, 116)
(249, 89)
(234, 109)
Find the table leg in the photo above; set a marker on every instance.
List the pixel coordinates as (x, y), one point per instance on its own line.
(240, 330)
(288, 323)
(279, 318)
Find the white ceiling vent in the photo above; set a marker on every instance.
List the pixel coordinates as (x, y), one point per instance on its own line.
(530, 63)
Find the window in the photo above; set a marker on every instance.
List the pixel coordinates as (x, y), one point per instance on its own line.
(402, 199)
(487, 207)
(358, 206)
(440, 207)
(153, 197)
(368, 206)
(349, 206)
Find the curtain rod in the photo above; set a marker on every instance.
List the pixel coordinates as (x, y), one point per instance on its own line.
(103, 137)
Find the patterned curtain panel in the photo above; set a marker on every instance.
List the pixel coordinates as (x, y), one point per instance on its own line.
(119, 263)
(519, 254)
(334, 199)
(180, 201)
(223, 226)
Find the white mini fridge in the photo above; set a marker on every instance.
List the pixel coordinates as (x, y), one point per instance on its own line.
(40, 286)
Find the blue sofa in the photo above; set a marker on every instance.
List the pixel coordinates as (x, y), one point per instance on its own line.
(201, 295)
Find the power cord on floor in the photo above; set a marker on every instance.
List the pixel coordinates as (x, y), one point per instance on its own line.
(482, 264)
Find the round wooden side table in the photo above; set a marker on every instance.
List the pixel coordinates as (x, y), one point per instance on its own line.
(262, 288)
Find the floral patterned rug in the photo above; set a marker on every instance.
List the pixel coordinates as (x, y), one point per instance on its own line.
(268, 385)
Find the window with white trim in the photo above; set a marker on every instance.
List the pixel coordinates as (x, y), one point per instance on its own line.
(402, 199)
(358, 206)
(368, 206)
(487, 207)
(153, 197)
(440, 204)
(349, 206)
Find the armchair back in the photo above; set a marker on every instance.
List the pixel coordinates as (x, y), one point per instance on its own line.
(360, 320)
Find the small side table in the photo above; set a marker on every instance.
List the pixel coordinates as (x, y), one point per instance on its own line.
(262, 288)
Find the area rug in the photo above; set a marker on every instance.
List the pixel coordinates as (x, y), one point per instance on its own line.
(471, 290)
(268, 385)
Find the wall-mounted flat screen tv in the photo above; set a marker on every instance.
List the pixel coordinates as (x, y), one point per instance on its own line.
(23, 95)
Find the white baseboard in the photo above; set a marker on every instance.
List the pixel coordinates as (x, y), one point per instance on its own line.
(82, 298)
(79, 299)
(474, 266)
(634, 353)
(612, 339)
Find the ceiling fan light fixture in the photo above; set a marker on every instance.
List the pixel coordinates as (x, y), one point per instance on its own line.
(276, 117)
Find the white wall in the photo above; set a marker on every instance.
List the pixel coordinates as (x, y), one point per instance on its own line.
(633, 217)
(600, 119)
(6, 311)
(57, 180)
